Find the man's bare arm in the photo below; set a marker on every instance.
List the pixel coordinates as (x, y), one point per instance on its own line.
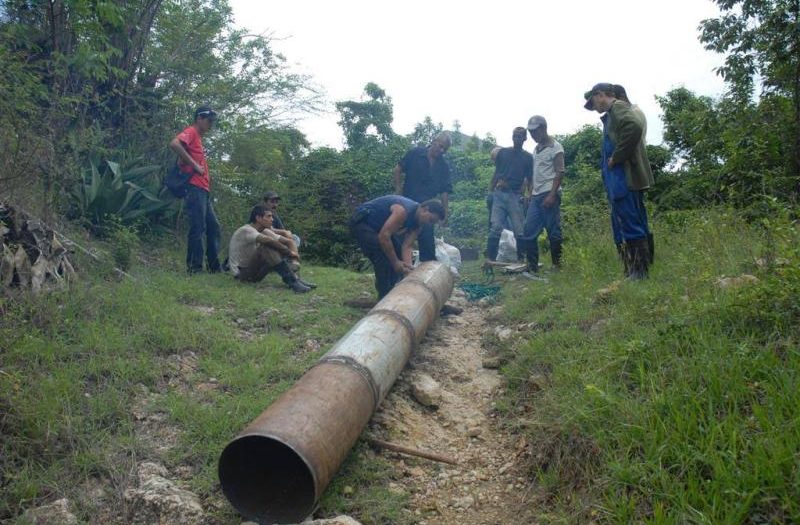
(393, 225)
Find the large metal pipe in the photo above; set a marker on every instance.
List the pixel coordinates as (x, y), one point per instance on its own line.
(278, 467)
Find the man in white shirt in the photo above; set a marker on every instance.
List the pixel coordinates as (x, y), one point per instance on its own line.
(544, 210)
(255, 250)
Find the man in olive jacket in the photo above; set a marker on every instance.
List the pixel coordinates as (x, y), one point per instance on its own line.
(626, 174)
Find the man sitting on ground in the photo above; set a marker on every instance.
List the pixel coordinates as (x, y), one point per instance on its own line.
(271, 201)
(255, 250)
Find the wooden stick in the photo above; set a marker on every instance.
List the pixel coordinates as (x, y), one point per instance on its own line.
(411, 451)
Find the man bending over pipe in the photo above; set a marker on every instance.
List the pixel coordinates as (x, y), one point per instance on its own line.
(386, 228)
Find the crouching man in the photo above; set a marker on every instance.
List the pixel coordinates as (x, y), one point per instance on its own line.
(386, 228)
(255, 250)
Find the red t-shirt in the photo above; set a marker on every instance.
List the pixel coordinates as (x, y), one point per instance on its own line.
(193, 145)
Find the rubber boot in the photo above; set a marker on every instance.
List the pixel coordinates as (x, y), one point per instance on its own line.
(639, 259)
(651, 246)
(555, 253)
(290, 278)
(492, 247)
(521, 250)
(304, 282)
(532, 251)
(623, 256)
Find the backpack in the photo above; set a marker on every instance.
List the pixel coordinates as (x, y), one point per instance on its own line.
(177, 182)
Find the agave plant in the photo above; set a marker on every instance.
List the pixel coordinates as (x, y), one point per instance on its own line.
(129, 194)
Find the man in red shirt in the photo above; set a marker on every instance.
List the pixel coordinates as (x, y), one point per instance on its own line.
(188, 145)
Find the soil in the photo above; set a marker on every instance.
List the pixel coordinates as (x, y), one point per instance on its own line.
(489, 484)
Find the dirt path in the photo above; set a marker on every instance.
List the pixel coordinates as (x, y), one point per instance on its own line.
(488, 484)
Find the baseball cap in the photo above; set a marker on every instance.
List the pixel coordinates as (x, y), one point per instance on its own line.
(536, 121)
(271, 195)
(205, 112)
(597, 88)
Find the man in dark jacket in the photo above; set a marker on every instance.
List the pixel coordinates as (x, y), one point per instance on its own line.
(271, 202)
(427, 176)
(626, 174)
(386, 228)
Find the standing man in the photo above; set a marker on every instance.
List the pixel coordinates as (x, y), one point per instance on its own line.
(427, 176)
(386, 228)
(512, 176)
(626, 174)
(255, 250)
(188, 145)
(621, 94)
(544, 211)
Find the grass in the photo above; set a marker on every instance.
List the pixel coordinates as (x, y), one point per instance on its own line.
(669, 400)
(82, 370)
(665, 401)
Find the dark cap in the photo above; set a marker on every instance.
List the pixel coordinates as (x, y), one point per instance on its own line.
(536, 121)
(597, 88)
(271, 195)
(205, 112)
(620, 93)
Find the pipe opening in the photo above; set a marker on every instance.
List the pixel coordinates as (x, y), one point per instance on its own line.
(266, 480)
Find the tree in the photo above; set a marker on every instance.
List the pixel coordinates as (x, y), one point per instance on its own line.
(369, 119)
(762, 42)
(119, 77)
(425, 131)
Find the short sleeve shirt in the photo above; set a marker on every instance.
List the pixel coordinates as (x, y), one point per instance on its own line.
(423, 181)
(243, 246)
(548, 161)
(193, 144)
(513, 167)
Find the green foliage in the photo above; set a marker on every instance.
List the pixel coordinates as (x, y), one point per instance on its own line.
(108, 79)
(130, 194)
(469, 218)
(123, 240)
(723, 157)
(762, 45)
(670, 400)
(78, 364)
(320, 201)
(367, 120)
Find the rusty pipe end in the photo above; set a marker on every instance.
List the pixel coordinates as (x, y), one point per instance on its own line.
(266, 480)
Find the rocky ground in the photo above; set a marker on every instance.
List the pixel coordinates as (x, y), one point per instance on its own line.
(444, 403)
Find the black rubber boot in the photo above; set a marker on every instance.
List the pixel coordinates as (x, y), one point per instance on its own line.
(651, 246)
(531, 249)
(520, 250)
(492, 247)
(290, 278)
(555, 253)
(623, 256)
(639, 258)
(306, 283)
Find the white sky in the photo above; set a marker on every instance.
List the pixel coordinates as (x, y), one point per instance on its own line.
(490, 65)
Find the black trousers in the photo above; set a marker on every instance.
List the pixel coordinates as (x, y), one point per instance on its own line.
(367, 239)
(427, 247)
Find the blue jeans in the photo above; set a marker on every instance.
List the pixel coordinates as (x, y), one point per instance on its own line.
(540, 218)
(506, 209)
(629, 217)
(202, 222)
